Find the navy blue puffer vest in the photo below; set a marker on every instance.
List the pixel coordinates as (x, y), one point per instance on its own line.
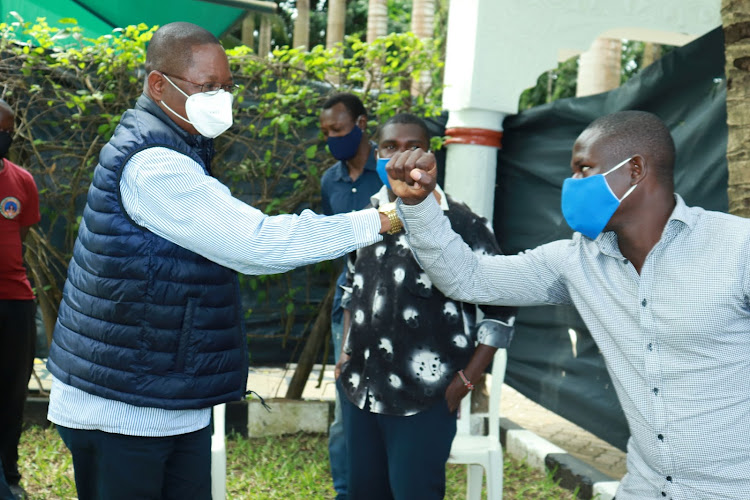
(142, 320)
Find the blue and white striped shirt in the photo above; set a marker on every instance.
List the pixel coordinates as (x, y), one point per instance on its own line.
(169, 194)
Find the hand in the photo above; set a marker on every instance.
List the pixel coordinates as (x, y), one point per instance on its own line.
(343, 358)
(455, 392)
(412, 175)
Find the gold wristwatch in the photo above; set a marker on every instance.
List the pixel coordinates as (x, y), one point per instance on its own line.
(389, 210)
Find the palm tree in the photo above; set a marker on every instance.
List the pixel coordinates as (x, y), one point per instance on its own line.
(735, 16)
(422, 25)
(264, 35)
(336, 22)
(377, 19)
(302, 25)
(599, 67)
(423, 18)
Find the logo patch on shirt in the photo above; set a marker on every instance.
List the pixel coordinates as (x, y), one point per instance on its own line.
(10, 207)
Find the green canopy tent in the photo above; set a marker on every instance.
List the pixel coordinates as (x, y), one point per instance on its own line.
(100, 17)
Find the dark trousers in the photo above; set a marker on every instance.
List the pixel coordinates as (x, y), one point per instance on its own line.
(5, 493)
(400, 458)
(118, 467)
(17, 341)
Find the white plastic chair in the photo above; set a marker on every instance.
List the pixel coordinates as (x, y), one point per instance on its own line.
(482, 454)
(219, 455)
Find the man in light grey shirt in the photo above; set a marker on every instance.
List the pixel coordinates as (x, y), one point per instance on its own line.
(664, 289)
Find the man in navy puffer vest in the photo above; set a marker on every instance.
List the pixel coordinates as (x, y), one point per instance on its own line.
(149, 334)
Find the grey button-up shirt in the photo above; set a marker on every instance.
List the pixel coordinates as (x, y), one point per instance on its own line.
(676, 338)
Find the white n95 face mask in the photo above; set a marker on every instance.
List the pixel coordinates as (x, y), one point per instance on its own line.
(210, 114)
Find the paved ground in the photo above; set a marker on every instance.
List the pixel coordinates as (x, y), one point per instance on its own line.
(273, 382)
(524, 412)
(565, 434)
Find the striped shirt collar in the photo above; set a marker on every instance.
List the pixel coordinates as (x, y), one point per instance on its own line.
(682, 217)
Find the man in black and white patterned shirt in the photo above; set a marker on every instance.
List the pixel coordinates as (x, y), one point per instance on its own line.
(411, 353)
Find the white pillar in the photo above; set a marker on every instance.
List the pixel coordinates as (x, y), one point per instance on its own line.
(495, 51)
(476, 110)
(471, 159)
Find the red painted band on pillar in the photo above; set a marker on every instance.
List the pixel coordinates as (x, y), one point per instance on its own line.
(478, 136)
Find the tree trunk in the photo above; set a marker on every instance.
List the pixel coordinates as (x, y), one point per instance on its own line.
(423, 26)
(735, 15)
(320, 331)
(336, 22)
(599, 68)
(264, 36)
(651, 54)
(377, 20)
(248, 30)
(302, 25)
(423, 18)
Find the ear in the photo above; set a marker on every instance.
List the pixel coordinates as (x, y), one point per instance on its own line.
(638, 169)
(362, 122)
(155, 83)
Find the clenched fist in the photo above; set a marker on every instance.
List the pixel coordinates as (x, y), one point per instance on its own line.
(413, 175)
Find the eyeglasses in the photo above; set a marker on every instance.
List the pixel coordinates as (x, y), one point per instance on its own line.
(211, 87)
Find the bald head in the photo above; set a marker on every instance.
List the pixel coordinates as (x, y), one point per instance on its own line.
(171, 48)
(629, 133)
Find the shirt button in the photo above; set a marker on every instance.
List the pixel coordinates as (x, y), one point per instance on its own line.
(661, 437)
(650, 346)
(354, 190)
(669, 478)
(644, 302)
(625, 261)
(663, 494)
(656, 390)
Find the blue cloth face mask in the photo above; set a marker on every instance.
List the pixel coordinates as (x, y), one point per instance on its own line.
(589, 203)
(382, 162)
(345, 147)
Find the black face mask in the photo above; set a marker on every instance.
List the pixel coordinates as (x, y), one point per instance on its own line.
(5, 141)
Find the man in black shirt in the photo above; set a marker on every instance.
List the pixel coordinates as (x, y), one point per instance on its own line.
(410, 353)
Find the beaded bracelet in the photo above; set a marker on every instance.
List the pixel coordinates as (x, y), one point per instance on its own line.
(467, 382)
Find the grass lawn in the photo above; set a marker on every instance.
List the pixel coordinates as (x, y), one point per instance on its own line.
(290, 468)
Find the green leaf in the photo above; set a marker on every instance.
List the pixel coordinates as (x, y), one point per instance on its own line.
(310, 151)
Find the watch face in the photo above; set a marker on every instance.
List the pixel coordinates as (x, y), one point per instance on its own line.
(387, 207)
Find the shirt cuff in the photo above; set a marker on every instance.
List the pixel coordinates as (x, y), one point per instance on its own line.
(365, 226)
(419, 217)
(495, 333)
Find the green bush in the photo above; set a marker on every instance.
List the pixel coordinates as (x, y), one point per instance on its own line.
(69, 97)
